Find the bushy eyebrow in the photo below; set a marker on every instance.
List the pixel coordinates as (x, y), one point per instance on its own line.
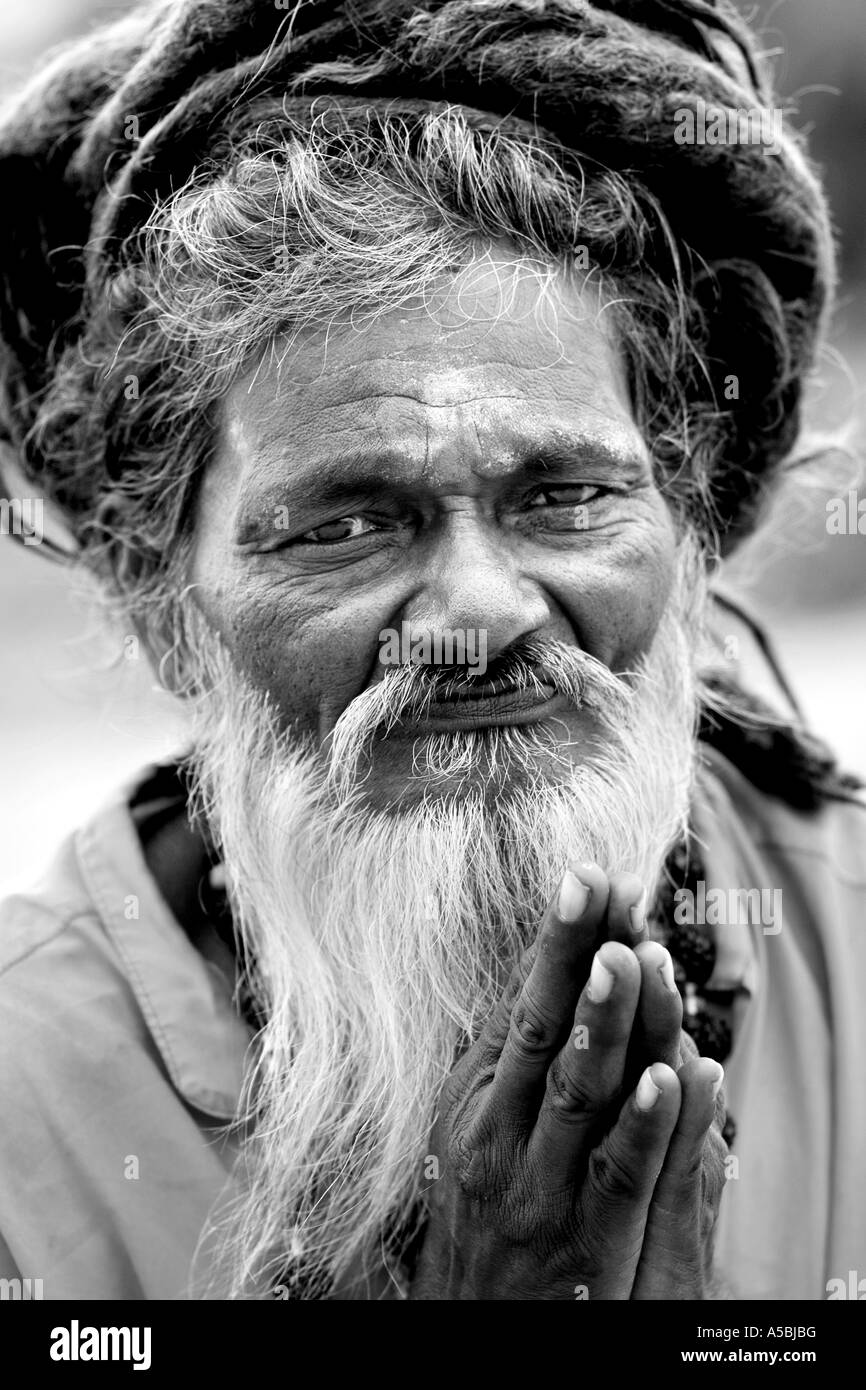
(364, 477)
(559, 457)
(371, 473)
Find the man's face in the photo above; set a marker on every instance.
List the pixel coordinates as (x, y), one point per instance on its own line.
(461, 472)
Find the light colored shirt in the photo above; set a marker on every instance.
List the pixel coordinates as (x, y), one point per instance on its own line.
(122, 1058)
(121, 1061)
(793, 1216)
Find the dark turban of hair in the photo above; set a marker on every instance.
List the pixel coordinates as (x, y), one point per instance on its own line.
(603, 80)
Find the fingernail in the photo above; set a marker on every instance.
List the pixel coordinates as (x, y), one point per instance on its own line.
(655, 951)
(573, 898)
(637, 914)
(647, 1092)
(717, 1083)
(600, 981)
(666, 970)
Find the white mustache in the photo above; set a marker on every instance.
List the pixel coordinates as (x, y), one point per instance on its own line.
(409, 690)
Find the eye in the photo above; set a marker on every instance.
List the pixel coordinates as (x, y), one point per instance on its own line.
(344, 528)
(568, 495)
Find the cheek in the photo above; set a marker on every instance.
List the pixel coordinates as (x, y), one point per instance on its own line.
(617, 594)
(310, 657)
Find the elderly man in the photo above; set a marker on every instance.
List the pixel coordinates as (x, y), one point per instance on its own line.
(401, 369)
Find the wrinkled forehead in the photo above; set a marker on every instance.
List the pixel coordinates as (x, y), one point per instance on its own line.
(508, 358)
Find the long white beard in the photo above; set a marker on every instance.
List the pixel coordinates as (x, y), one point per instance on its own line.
(379, 942)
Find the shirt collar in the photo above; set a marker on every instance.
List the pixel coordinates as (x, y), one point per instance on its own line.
(186, 1000)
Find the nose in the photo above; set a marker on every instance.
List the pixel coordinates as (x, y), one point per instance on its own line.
(473, 584)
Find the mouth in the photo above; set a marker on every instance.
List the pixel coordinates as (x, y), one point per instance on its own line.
(490, 704)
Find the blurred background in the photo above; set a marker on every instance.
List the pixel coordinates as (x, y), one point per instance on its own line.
(79, 713)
